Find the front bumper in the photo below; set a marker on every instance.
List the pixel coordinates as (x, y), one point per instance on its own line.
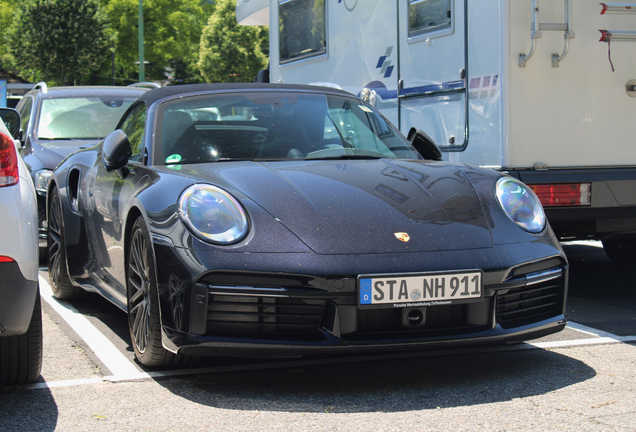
(271, 314)
(17, 296)
(206, 346)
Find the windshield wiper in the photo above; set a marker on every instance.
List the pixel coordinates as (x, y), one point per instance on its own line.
(69, 139)
(348, 156)
(253, 159)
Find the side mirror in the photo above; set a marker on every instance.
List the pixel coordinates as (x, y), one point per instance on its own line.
(116, 151)
(11, 119)
(424, 144)
(262, 76)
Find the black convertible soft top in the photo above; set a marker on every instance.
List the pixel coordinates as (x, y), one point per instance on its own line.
(155, 94)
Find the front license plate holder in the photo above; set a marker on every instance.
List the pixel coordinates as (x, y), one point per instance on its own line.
(381, 291)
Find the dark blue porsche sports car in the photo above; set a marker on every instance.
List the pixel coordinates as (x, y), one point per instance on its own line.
(278, 220)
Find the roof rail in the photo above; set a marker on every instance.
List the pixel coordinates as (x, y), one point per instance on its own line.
(144, 84)
(41, 85)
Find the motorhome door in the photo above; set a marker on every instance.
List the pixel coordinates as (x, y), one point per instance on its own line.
(432, 67)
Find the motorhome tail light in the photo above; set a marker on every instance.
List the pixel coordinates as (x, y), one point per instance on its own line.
(563, 194)
(4, 259)
(8, 162)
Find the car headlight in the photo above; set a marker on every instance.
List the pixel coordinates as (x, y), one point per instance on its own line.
(521, 204)
(41, 180)
(213, 215)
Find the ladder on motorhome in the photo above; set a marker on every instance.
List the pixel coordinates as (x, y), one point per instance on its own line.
(609, 36)
(616, 35)
(537, 27)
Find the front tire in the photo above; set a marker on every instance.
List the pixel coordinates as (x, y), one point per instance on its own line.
(622, 250)
(144, 320)
(61, 284)
(21, 355)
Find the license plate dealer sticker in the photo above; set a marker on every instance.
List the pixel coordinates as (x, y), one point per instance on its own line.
(430, 289)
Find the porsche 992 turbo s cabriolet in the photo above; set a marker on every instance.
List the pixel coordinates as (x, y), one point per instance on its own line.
(280, 220)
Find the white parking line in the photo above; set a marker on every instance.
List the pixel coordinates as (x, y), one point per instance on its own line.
(592, 243)
(592, 331)
(583, 342)
(124, 370)
(112, 358)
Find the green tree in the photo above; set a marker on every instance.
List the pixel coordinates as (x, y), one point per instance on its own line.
(172, 32)
(7, 10)
(58, 41)
(230, 52)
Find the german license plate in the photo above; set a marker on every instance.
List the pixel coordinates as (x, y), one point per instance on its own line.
(417, 290)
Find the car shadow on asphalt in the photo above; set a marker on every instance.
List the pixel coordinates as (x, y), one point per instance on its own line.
(393, 384)
(42, 410)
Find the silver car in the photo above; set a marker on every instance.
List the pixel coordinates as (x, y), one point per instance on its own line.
(20, 312)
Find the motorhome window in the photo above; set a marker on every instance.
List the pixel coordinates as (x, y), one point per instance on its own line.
(442, 117)
(302, 29)
(426, 16)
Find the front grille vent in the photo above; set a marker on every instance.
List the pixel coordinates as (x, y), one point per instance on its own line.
(262, 315)
(541, 297)
(389, 320)
(440, 321)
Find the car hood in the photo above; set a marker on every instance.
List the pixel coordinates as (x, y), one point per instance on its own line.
(369, 206)
(52, 152)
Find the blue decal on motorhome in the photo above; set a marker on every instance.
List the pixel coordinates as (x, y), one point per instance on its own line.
(385, 63)
(432, 88)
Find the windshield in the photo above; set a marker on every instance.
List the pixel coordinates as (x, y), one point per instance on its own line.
(81, 117)
(275, 126)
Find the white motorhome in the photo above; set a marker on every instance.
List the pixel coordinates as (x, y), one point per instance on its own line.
(542, 89)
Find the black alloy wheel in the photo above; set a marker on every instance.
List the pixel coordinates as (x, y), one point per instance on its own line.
(144, 320)
(58, 272)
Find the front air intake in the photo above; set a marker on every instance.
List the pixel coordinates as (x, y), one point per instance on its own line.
(541, 297)
(262, 315)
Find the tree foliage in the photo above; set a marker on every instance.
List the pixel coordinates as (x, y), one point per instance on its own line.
(172, 31)
(66, 41)
(230, 52)
(7, 10)
(58, 41)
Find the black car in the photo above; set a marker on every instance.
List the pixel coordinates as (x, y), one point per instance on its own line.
(279, 220)
(56, 121)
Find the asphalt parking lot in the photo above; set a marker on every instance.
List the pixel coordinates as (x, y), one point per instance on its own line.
(583, 378)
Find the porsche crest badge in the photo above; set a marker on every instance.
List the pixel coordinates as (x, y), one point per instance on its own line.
(402, 236)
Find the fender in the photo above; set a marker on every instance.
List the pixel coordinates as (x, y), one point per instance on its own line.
(73, 225)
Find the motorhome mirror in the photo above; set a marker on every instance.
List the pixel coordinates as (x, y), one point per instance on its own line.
(424, 144)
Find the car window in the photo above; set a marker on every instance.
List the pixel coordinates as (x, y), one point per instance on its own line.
(274, 126)
(80, 117)
(133, 126)
(359, 127)
(25, 113)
